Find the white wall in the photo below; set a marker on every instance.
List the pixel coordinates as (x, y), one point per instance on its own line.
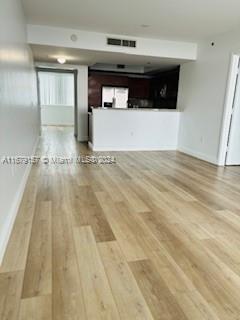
(57, 115)
(130, 129)
(82, 94)
(202, 90)
(52, 36)
(19, 117)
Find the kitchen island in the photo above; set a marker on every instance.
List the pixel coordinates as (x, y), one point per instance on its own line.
(114, 129)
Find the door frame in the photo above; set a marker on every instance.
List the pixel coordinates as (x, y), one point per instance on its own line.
(75, 74)
(233, 78)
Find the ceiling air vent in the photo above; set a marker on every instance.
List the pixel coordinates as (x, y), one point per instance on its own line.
(121, 42)
(114, 42)
(120, 66)
(129, 43)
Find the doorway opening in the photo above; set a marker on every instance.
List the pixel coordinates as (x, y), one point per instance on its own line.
(229, 153)
(57, 91)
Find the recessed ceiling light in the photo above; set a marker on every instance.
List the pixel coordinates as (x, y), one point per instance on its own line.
(145, 25)
(61, 60)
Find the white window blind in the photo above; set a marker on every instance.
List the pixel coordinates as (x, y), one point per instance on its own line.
(56, 89)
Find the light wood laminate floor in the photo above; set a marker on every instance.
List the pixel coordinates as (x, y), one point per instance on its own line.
(154, 236)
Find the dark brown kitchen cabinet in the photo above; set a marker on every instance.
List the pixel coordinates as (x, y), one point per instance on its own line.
(139, 88)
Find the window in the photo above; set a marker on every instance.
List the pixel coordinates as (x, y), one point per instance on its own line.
(115, 95)
(56, 89)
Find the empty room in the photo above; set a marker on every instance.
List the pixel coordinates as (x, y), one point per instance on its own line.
(119, 160)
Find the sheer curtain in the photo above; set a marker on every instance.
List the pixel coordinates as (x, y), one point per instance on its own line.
(56, 89)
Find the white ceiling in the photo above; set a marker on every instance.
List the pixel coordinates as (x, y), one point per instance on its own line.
(171, 19)
(50, 54)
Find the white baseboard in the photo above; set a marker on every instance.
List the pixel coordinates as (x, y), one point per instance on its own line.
(90, 145)
(198, 155)
(131, 148)
(8, 226)
(57, 125)
(82, 139)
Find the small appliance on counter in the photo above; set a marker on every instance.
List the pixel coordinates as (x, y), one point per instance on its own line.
(108, 105)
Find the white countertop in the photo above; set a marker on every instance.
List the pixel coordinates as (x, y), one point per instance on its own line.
(137, 109)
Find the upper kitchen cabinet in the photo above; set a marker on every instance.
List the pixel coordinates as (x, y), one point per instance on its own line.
(139, 88)
(164, 89)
